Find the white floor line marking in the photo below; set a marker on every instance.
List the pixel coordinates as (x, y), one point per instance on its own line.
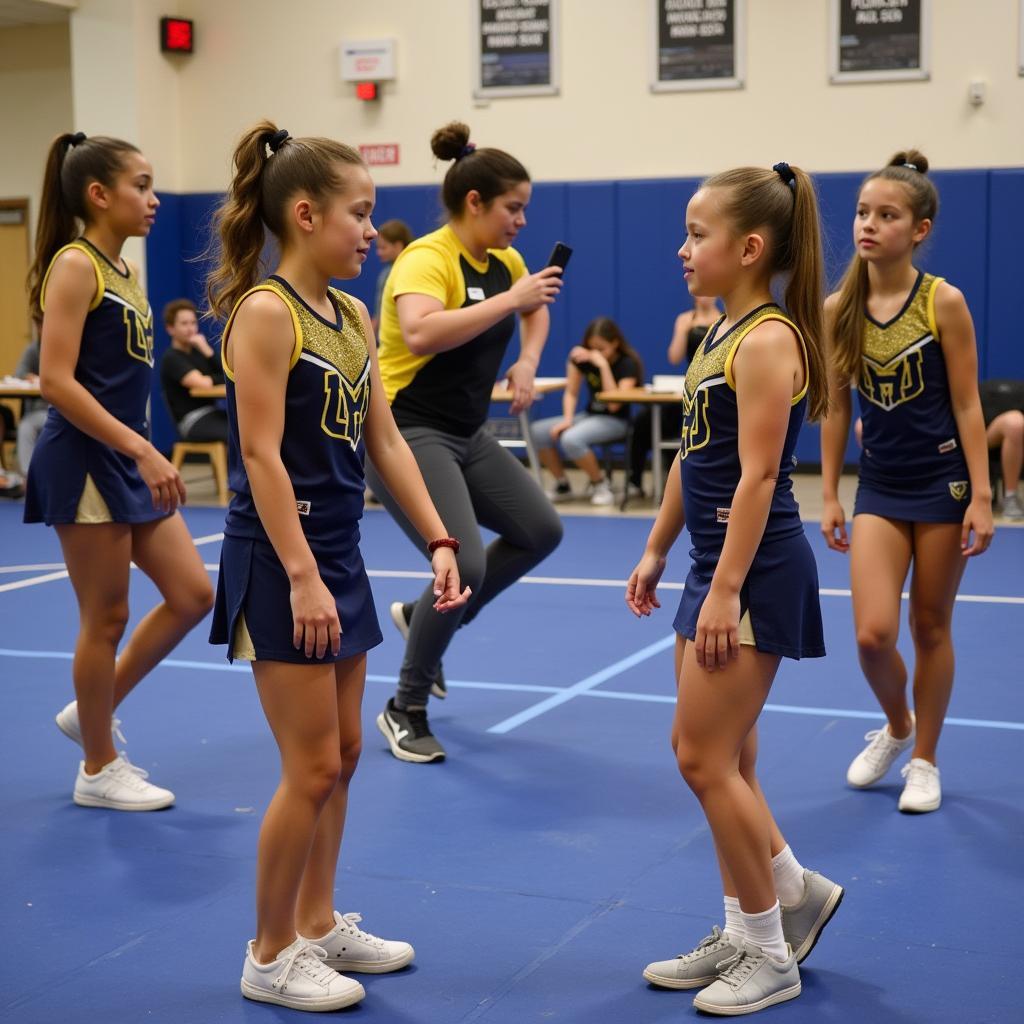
(583, 685)
(475, 684)
(31, 568)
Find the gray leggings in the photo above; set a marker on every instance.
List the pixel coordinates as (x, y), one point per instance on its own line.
(473, 482)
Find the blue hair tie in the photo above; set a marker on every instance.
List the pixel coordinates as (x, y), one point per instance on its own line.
(786, 173)
(469, 147)
(278, 139)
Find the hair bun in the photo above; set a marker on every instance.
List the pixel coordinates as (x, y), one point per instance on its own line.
(914, 157)
(448, 143)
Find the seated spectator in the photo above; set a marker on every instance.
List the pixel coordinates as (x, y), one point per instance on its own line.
(688, 333)
(190, 362)
(605, 360)
(393, 236)
(1002, 403)
(33, 410)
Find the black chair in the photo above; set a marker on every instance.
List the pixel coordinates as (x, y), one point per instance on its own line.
(998, 396)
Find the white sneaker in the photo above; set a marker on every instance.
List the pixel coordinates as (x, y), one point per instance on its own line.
(67, 722)
(877, 757)
(120, 786)
(1012, 508)
(600, 493)
(922, 792)
(350, 949)
(298, 979)
(560, 490)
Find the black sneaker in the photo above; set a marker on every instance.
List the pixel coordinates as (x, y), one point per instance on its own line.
(401, 616)
(408, 734)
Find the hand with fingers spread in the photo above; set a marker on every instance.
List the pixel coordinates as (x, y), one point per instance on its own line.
(833, 526)
(315, 623)
(641, 589)
(977, 520)
(717, 641)
(446, 581)
(162, 479)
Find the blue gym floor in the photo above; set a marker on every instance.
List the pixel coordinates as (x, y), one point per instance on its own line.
(554, 854)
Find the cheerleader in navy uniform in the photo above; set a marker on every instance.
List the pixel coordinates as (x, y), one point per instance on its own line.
(304, 403)
(94, 475)
(751, 596)
(905, 339)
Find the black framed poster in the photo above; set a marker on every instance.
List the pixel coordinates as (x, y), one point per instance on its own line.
(879, 40)
(697, 44)
(516, 51)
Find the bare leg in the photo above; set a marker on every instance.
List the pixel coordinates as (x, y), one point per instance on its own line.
(552, 462)
(1007, 431)
(588, 463)
(164, 551)
(715, 714)
(938, 568)
(880, 554)
(301, 705)
(98, 557)
(314, 909)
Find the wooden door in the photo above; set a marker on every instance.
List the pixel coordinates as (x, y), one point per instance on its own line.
(14, 257)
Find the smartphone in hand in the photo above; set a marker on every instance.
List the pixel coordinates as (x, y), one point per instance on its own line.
(559, 256)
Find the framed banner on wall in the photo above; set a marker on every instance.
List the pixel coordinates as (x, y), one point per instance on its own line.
(697, 44)
(879, 40)
(516, 48)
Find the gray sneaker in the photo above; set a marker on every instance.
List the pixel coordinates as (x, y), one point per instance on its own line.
(408, 734)
(750, 981)
(1012, 508)
(401, 616)
(695, 969)
(803, 922)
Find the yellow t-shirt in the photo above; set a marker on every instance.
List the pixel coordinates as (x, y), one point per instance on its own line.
(450, 391)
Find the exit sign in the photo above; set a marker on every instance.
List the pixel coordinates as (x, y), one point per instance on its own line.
(380, 154)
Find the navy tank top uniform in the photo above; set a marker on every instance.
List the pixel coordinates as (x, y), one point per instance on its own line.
(326, 402)
(780, 593)
(912, 467)
(115, 365)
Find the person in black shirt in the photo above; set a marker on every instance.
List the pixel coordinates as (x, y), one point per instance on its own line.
(604, 360)
(190, 362)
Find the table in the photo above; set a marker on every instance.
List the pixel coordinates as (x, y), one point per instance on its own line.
(541, 386)
(655, 399)
(499, 393)
(13, 389)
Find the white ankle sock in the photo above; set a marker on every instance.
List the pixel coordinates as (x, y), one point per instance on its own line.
(733, 919)
(765, 930)
(789, 877)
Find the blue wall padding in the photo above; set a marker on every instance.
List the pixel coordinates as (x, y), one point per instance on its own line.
(625, 236)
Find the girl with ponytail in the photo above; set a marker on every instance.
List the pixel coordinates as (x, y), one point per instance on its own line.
(905, 340)
(304, 404)
(94, 474)
(751, 597)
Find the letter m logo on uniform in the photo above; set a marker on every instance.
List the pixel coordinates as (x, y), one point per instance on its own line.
(696, 429)
(345, 406)
(895, 382)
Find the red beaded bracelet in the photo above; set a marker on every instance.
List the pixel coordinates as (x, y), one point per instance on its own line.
(444, 542)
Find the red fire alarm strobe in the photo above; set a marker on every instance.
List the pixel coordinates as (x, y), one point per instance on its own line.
(366, 90)
(176, 35)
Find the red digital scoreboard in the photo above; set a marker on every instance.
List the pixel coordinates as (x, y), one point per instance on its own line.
(176, 35)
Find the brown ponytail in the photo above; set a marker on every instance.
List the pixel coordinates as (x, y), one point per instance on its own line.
(490, 172)
(909, 168)
(784, 202)
(72, 162)
(270, 168)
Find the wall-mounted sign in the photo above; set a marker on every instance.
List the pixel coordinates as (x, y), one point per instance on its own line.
(516, 48)
(380, 154)
(697, 44)
(879, 40)
(367, 60)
